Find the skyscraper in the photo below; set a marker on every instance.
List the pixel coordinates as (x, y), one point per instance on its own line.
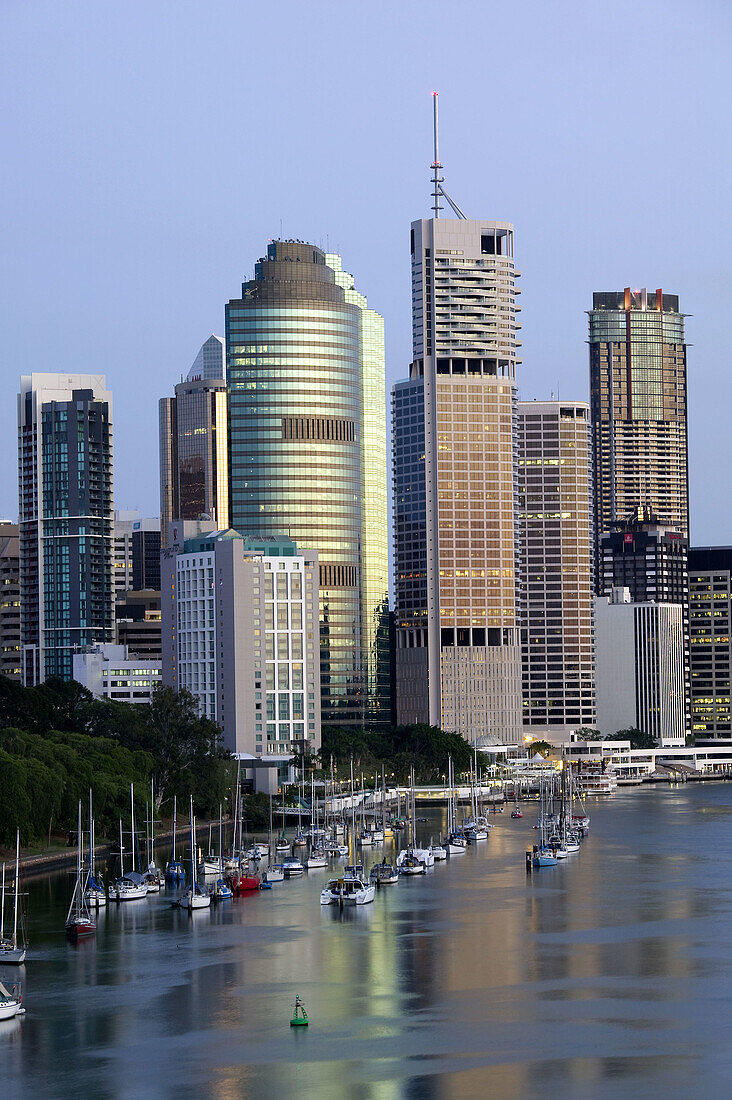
(556, 552)
(458, 657)
(638, 400)
(710, 590)
(307, 455)
(193, 447)
(66, 520)
(9, 601)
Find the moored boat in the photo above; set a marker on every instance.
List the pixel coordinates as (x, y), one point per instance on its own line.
(384, 874)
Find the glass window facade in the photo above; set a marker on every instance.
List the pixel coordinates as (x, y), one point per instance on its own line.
(307, 456)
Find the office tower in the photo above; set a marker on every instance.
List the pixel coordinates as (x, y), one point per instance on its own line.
(210, 363)
(138, 623)
(649, 558)
(240, 632)
(66, 520)
(458, 656)
(556, 540)
(136, 551)
(645, 555)
(193, 449)
(639, 669)
(9, 601)
(146, 557)
(112, 672)
(638, 400)
(710, 599)
(307, 455)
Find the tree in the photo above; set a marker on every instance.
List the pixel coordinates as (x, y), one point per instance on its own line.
(587, 733)
(542, 747)
(638, 739)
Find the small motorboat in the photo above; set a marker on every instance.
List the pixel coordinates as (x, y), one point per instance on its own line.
(221, 891)
(275, 873)
(11, 1002)
(415, 861)
(352, 889)
(317, 858)
(292, 867)
(438, 852)
(384, 874)
(174, 872)
(456, 844)
(516, 814)
(242, 884)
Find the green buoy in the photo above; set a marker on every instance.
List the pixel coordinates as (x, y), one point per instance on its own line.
(300, 1016)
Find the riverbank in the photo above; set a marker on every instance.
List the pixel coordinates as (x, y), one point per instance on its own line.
(54, 858)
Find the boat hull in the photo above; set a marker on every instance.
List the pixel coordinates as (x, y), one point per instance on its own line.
(9, 1009)
(12, 956)
(80, 929)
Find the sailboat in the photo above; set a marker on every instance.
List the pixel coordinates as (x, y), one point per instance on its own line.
(95, 892)
(79, 921)
(455, 842)
(11, 1002)
(413, 860)
(12, 951)
(173, 869)
(129, 886)
(194, 897)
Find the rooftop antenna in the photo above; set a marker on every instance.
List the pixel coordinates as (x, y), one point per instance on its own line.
(437, 179)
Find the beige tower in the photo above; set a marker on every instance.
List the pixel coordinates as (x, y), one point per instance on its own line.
(458, 658)
(556, 542)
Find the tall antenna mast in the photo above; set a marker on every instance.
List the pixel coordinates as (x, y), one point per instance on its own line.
(437, 179)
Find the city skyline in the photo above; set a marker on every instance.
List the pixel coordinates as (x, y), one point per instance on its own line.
(117, 241)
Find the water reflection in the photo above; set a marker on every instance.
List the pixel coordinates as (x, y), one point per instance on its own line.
(606, 975)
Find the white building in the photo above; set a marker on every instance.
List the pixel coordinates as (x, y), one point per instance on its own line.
(126, 523)
(110, 673)
(639, 654)
(240, 633)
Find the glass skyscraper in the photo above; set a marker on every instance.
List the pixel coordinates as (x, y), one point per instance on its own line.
(307, 455)
(193, 449)
(638, 401)
(66, 520)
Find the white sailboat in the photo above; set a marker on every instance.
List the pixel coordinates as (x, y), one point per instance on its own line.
(194, 897)
(11, 1002)
(12, 951)
(79, 921)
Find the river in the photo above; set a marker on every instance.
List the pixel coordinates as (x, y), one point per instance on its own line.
(606, 976)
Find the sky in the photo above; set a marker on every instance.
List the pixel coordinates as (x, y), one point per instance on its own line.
(149, 151)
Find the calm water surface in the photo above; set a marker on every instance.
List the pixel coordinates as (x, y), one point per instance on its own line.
(606, 976)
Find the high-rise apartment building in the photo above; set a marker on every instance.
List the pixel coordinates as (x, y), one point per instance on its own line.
(710, 600)
(640, 667)
(458, 657)
(193, 447)
(638, 400)
(66, 520)
(240, 633)
(307, 455)
(556, 540)
(136, 552)
(9, 601)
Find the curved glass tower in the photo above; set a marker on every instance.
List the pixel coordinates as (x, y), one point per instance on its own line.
(307, 455)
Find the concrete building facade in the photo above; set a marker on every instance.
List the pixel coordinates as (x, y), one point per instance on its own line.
(240, 633)
(556, 540)
(111, 672)
(458, 656)
(640, 667)
(9, 601)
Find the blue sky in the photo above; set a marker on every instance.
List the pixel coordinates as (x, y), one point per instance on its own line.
(150, 150)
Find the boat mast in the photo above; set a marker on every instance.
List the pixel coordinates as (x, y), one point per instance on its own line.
(132, 821)
(2, 909)
(175, 808)
(353, 812)
(221, 841)
(193, 853)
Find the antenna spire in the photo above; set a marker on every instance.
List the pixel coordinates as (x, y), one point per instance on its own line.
(437, 179)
